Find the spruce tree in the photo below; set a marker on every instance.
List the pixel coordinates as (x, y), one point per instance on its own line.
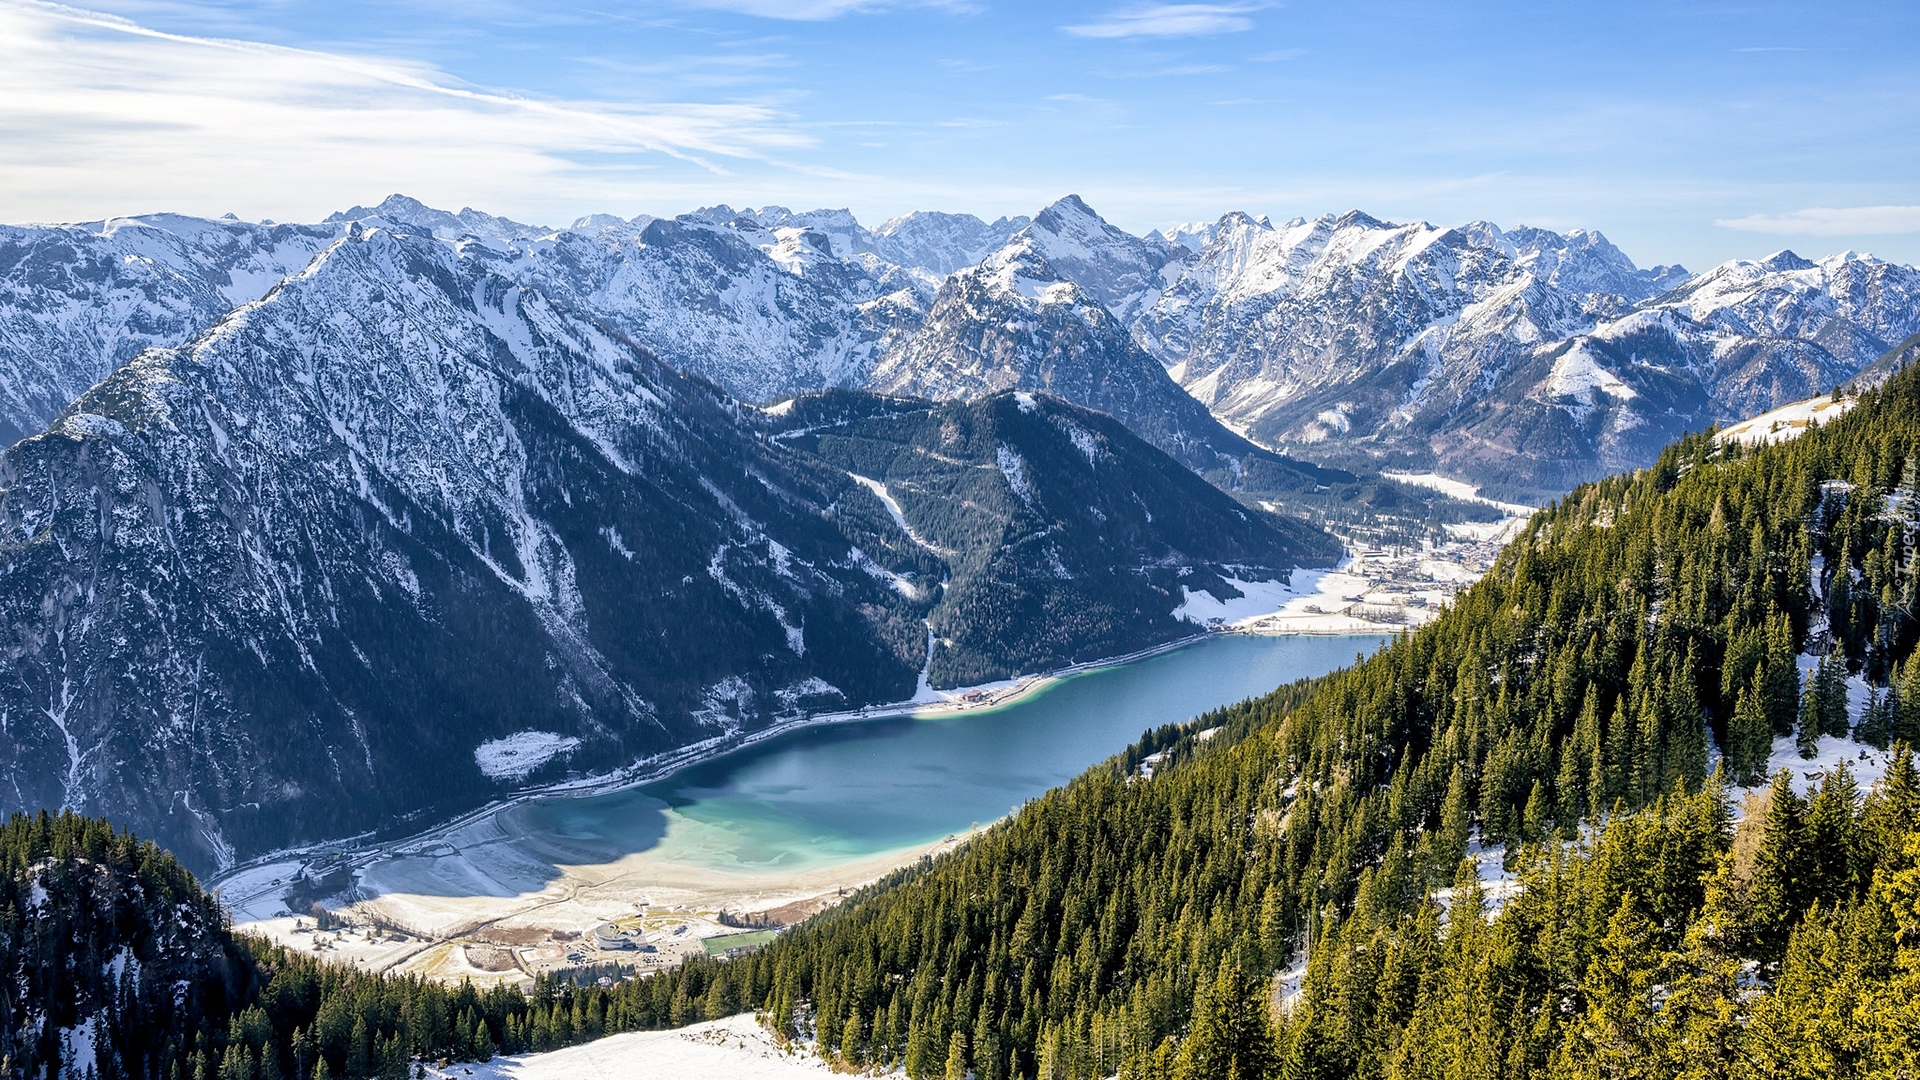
(1876, 723)
(1778, 893)
(1231, 1037)
(1749, 739)
(957, 1057)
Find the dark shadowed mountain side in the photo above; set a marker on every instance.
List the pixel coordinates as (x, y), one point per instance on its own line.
(1063, 536)
(1890, 363)
(403, 535)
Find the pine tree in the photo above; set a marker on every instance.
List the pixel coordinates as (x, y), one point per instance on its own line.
(1834, 718)
(1876, 724)
(1454, 824)
(957, 1057)
(1231, 1038)
(237, 1063)
(1780, 676)
(1749, 739)
(1778, 892)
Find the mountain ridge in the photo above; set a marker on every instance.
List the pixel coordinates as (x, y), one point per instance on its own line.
(1344, 339)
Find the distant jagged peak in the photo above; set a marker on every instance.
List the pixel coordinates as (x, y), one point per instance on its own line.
(404, 210)
(1786, 259)
(1069, 208)
(941, 243)
(848, 238)
(1357, 218)
(941, 220)
(597, 222)
(1118, 268)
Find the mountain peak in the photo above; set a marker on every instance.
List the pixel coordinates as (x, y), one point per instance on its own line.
(1360, 219)
(1785, 259)
(1070, 204)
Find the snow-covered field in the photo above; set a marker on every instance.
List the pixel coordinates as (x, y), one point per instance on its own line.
(1258, 598)
(736, 1048)
(1459, 489)
(518, 754)
(1787, 421)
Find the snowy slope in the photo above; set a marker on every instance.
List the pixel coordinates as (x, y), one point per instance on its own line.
(77, 301)
(736, 1048)
(1017, 321)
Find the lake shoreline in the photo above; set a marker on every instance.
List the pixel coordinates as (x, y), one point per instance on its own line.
(523, 877)
(358, 851)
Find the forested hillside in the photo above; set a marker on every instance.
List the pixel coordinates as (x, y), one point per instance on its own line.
(1054, 535)
(1631, 629)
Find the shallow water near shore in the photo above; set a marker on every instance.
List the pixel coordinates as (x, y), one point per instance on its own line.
(848, 791)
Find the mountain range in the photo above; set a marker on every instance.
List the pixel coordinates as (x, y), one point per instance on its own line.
(1521, 359)
(403, 533)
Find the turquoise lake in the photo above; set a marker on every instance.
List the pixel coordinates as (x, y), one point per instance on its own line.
(844, 792)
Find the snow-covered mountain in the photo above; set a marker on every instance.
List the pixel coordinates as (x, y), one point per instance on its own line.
(294, 578)
(77, 301)
(405, 530)
(943, 243)
(1016, 322)
(1520, 357)
(1523, 358)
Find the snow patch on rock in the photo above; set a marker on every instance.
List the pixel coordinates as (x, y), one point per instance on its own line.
(516, 756)
(1014, 468)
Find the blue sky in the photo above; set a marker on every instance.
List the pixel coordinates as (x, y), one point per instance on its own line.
(1689, 132)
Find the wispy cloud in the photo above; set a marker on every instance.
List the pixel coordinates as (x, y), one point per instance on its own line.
(818, 10)
(1169, 20)
(1829, 221)
(102, 112)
